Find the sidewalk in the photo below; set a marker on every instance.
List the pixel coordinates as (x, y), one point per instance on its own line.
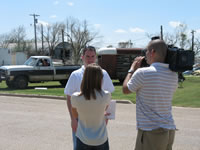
(44, 124)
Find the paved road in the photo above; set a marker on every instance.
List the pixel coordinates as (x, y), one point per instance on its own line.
(44, 124)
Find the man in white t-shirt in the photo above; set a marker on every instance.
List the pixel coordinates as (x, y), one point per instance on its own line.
(74, 83)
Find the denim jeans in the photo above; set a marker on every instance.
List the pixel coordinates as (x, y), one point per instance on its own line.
(74, 140)
(81, 146)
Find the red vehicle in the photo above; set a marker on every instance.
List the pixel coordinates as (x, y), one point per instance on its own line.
(117, 61)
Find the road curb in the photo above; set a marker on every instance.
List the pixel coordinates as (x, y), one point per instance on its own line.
(53, 97)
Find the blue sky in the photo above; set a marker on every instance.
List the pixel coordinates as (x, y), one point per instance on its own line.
(115, 20)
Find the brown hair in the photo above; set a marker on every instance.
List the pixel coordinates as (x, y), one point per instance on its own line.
(92, 80)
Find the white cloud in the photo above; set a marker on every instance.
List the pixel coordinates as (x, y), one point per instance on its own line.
(120, 31)
(138, 30)
(70, 4)
(198, 31)
(43, 23)
(121, 41)
(175, 24)
(53, 16)
(97, 26)
(56, 2)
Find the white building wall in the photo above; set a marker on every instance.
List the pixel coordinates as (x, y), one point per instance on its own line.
(9, 58)
(5, 57)
(20, 58)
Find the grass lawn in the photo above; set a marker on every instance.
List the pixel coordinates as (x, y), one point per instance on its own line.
(188, 96)
(53, 88)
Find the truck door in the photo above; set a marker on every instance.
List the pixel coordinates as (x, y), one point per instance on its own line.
(44, 71)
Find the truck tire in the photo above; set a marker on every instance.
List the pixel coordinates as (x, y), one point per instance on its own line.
(63, 82)
(10, 84)
(21, 82)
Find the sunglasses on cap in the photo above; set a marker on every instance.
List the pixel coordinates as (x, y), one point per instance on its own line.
(88, 48)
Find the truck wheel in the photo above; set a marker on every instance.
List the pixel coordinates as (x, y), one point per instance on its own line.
(21, 82)
(10, 84)
(63, 82)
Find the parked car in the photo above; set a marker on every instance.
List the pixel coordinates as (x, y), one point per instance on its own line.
(196, 72)
(191, 72)
(197, 68)
(36, 69)
(188, 72)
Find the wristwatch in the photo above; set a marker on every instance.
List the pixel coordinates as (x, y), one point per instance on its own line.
(130, 71)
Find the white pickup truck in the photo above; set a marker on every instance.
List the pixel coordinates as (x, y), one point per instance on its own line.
(36, 69)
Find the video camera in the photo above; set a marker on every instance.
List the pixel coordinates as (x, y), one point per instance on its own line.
(179, 60)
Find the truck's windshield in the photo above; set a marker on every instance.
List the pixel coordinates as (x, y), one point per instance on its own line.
(30, 62)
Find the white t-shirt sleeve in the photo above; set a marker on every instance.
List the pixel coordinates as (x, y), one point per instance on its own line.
(136, 81)
(107, 82)
(69, 88)
(108, 97)
(73, 101)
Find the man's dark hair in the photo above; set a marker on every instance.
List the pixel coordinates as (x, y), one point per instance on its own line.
(90, 48)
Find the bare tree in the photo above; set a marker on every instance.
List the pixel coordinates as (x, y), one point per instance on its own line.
(78, 35)
(52, 35)
(4, 40)
(18, 36)
(197, 46)
(150, 35)
(179, 37)
(171, 39)
(127, 44)
(181, 32)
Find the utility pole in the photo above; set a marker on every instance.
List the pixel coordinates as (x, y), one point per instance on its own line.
(63, 44)
(35, 21)
(192, 39)
(42, 37)
(161, 32)
(130, 44)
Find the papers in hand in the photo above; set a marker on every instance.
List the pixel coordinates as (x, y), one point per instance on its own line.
(111, 109)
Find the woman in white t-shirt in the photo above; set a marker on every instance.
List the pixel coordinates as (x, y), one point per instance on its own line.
(89, 106)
